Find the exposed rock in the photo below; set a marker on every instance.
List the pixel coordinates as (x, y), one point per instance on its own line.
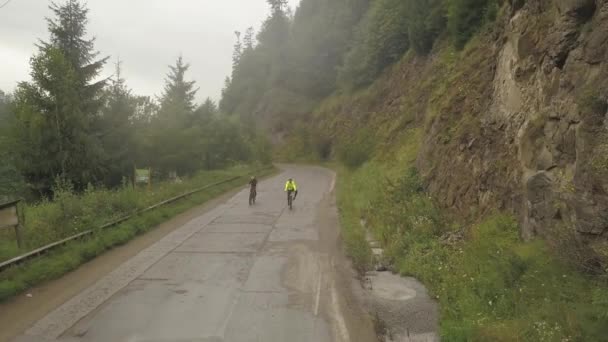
(452, 238)
(541, 147)
(591, 218)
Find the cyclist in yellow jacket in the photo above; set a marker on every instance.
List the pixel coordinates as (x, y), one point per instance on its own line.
(291, 187)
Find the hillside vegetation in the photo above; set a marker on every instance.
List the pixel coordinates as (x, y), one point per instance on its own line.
(472, 139)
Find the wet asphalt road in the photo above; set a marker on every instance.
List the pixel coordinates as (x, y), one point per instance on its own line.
(236, 273)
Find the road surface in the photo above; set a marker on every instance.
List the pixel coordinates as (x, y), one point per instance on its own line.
(236, 273)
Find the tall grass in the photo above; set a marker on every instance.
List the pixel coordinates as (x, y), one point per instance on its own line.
(70, 213)
(69, 257)
(491, 286)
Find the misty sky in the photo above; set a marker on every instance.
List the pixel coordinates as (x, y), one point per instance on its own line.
(147, 35)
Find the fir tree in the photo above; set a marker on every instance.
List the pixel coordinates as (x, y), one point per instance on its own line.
(57, 112)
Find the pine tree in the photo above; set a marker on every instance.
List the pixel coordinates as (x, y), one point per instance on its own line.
(249, 39)
(227, 101)
(68, 34)
(238, 50)
(381, 40)
(174, 130)
(116, 130)
(11, 183)
(277, 6)
(177, 100)
(57, 112)
(207, 111)
(4, 108)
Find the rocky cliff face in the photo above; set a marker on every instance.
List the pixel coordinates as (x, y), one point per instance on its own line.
(538, 141)
(516, 122)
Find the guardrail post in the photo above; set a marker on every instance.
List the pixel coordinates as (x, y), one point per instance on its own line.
(19, 226)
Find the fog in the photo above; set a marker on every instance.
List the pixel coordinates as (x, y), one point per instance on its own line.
(147, 35)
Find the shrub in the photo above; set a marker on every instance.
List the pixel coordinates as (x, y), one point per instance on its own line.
(357, 150)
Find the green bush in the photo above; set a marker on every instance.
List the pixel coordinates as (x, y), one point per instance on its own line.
(356, 151)
(404, 215)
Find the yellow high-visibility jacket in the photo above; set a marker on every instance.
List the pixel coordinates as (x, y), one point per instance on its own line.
(291, 186)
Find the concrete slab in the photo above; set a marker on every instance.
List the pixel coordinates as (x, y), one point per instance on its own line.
(148, 310)
(245, 219)
(268, 317)
(211, 269)
(223, 243)
(295, 234)
(265, 274)
(238, 228)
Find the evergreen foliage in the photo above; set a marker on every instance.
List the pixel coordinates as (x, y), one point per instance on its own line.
(71, 126)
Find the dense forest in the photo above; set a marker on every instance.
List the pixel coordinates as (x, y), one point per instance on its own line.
(69, 124)
(335, 46)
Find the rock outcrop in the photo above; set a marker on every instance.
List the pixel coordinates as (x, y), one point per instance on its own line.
(517, 121)
(542, 141)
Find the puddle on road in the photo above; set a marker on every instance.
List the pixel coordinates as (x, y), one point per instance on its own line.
(401, 305)
(392, 287)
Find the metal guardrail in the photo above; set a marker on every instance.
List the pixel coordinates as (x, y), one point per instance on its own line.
(37, 252)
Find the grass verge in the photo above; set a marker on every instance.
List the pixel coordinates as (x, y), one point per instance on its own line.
(491, 286)
(67, 258)
(70, 213)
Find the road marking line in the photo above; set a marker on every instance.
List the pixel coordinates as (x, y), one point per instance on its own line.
(318, 296)
(341, 323)
(222, 330)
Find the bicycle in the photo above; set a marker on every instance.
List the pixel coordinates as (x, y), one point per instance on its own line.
(252, 195)
(291, 196)
(253, 187)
